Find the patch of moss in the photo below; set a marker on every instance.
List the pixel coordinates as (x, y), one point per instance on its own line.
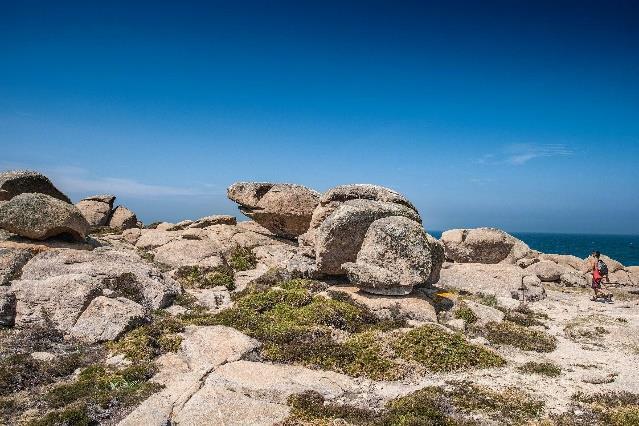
(524, 316)
(21, 371)
(605, 408)
(487, 299)
(104, 386)
(543, 368)
(75, 415)
(150, 340)
(509, 333)
(195, 276)
(456, 404)
(439, 350)
(197, 315)
(465, 313)
(242, 259)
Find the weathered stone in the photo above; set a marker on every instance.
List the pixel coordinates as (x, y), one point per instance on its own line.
(565, 260)
(484, 314)
(394, 257)
(123, 218)
(95, 212)
(477, 278)
(153, 238)
(18, 182)
(7, 307)
(340, 236)
(287, 258)
(531, 289)
(331, 199)
(40, 216)
(102, 198)
(155, 288)
(415, 306)
(573, 279)
(188, 252)
(219, 219)
(164, 226)
(284, 209)
(58, 299)
(11, 263)
(438, 257)
(106, 319)
(483, 245)
(548, 271)
(132, 235)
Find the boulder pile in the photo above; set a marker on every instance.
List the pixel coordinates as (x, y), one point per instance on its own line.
(369, 233)
(98, 211)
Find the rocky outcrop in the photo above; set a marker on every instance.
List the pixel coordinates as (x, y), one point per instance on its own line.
(483, 245)
(331, 199)
(11, 263)
(475, 278)
(340, 236)
(39, 216)
(123, 218)
(7, 307)
(282, 208)
(96, 209)
(13, 183)
(438, 257)
(107, 319)
(219, 219)
(548, 271)
(394, 257)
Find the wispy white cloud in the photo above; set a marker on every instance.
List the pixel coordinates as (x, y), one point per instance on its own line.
(520, 154)
(79, 180)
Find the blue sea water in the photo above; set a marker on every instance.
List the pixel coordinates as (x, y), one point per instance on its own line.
(624, 248)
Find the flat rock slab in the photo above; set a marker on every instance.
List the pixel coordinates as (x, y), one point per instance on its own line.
(107, 319)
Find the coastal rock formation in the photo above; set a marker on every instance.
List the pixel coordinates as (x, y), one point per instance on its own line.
(13, 183)
(219, 219)
(547, 271)
(331, 199)
(340, 236)
(438, 257)
(11, 263)
(394, 257)
(483, 245)
(96, 209)
(39, 216)
(284, 209)
(123, 218)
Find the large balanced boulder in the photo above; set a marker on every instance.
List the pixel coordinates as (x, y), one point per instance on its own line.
(395, 256)
(483, 245)
(39, 216)
(123, 218)
(331, 199)
(282, 208)
(96, 209)
(340, 236)
(14, 183)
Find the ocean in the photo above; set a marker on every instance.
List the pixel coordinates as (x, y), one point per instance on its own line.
(624, 248)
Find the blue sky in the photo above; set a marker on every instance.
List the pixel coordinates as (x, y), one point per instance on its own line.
(520, 115)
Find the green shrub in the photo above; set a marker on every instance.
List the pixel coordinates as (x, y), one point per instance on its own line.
(242, 259)
(198, 277)
(543, 368)
(465, 313)
(439, 350)
(509, 333)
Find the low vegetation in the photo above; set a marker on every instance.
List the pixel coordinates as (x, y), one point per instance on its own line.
(509, 333)
(605, 408)
(542, 368)
(242, 259)
(465, 313)
(456, 404)
(297, 325)
(524, 316)
(198, 277)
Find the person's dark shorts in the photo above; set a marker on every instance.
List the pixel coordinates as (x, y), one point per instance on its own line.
(596, 283)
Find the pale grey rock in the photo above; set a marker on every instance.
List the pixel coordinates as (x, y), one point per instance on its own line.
(107, 319)
(95, 212)
(456, 324)
(531, 289)
(11, 263)
(548, 271)
(623, 277)
(123, 218)
(214, 299)
(152, 238)
(276, 382)
(132, 235)
(485, 314)
(394, 257)
(16, 182)
(334, 197)
(157, 290)
(490, 279)
(102, 198)
(284, 209)
(43, 356)
(39, 216)
(415, 306)
(573, 279)
(526, 262)
(7, 307)
(56, 299)
(219, 219)
(339, 238)
(253, 226)
(483, 245)
(287, 258)
(164, 226)
(438, 257)
(566, 260)
(188, 252)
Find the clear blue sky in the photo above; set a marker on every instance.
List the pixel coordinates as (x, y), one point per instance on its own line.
(521, 115)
